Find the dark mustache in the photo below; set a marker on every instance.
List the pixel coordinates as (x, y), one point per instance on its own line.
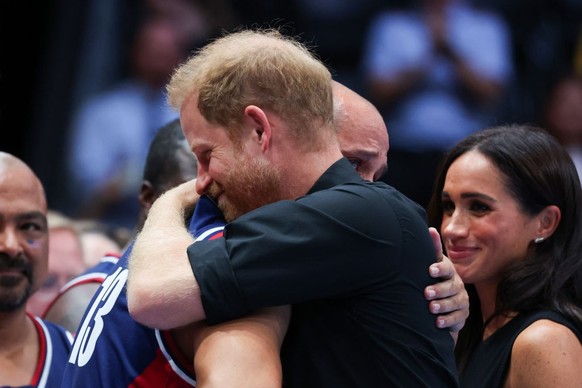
(18, 263)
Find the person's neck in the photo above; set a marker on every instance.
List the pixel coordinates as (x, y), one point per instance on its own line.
(13, 329)
(19, 348)
(301, 173)
(487, 298)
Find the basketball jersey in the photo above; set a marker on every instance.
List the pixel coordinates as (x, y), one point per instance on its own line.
(53, 351)
(113, 350)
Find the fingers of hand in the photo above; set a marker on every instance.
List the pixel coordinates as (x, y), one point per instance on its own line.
(436, 240)
(448, 296)
(453, 321)
(443, 269)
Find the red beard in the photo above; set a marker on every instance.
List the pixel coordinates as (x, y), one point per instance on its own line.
(248, 185)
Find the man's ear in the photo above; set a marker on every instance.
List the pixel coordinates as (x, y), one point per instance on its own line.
(147, 195)
(549, 219)
(260, 126)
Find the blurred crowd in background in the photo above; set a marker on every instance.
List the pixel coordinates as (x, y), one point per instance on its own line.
(89, 80)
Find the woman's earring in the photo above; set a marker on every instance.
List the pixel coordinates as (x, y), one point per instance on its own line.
(539, 240)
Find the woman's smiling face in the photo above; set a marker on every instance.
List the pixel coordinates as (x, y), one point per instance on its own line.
(483, 227)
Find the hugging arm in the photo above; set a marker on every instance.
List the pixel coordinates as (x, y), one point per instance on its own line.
(161, 282)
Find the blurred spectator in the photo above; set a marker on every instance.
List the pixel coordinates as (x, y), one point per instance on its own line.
(98, 240)
(545, 35)
(337, 30)
(196, 20)
(437, 72)
(578, 54)
(563, 116)
(65, 261)
(74, 246)
(111, 132)
(576, 61)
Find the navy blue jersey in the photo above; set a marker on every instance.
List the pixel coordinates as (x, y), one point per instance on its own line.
(54, 345)
(111, 349)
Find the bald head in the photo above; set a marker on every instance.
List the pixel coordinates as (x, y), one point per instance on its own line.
(362, 133)
(23, 232)
(18, 177)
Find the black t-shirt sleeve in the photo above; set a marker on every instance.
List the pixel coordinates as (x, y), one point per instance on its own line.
(220, 293)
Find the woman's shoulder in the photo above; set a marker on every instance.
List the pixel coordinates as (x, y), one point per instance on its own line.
(546, 333)
(545, 351)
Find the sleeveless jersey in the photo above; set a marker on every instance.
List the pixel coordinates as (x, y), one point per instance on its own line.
(113, 350)
(54, 347)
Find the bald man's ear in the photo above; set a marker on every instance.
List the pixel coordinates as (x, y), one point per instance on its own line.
(260, 126)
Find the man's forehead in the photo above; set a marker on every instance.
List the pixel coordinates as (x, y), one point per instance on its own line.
(25, 195)
(191, 131)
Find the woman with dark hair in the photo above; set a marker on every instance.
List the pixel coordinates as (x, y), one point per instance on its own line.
(509, 206)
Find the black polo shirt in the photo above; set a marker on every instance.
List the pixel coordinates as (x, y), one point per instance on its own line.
(352, 258)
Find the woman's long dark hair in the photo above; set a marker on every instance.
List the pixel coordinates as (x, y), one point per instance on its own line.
(538, 172)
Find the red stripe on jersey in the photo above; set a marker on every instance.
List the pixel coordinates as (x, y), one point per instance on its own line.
(217, 235)
(159, 374)
(41, 352)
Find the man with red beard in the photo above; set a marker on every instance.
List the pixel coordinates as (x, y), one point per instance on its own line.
(126, 352)
(33, 352)
(304, 229)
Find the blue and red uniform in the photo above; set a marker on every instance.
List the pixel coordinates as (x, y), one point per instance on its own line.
(54, 345)
(111, 349)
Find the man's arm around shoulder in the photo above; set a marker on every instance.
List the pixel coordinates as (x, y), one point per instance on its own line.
(162, 291)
